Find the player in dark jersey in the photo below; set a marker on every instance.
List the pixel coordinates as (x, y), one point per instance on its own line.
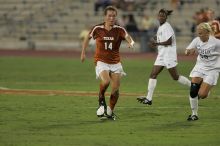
(108, 68)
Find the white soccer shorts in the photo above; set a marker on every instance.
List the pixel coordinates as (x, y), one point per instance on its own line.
(115, 68)
(209, 76)
(168, 63)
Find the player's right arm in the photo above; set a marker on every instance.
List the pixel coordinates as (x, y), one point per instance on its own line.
(84, 47)
(191, 49)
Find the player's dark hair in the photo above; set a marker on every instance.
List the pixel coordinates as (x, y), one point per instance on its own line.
(111, 8)
(167, 12)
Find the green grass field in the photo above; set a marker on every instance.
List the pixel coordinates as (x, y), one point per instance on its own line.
(62, 120)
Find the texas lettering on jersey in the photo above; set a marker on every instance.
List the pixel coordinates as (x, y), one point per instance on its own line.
(108, 38)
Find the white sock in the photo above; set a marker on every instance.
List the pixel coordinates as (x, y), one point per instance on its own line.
(151, 86)
(185, 81)
(194, 105)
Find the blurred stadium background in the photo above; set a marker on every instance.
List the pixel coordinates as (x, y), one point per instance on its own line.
(52, 101)
(61, 24)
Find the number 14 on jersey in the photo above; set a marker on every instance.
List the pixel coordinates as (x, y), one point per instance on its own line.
(108, 45)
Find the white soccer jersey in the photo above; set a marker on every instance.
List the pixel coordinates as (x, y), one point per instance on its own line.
(209, 53)
(164, 32)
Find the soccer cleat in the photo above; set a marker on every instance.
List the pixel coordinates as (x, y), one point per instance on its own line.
(109, 111)
(112, 116)
(108, 117)
(102, 110)
(192, 118)
(144, 100)
(141, 99)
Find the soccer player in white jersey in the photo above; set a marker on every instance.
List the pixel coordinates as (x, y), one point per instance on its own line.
(206, 71)
(167, 56)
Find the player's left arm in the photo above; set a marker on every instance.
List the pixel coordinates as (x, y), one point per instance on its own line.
(165, 43)
(130, 41)
(124, 34)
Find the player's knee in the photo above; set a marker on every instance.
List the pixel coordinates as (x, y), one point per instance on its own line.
(202, 95)
(194, 90)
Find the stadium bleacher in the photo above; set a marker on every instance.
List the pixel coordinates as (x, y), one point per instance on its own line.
(56, 24)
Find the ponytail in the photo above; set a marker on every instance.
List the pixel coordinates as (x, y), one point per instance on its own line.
(167, 12)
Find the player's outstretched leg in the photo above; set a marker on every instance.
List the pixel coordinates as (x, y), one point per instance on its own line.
(184, 81)
(148, 99)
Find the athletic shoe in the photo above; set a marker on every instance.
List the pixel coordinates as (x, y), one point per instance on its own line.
(141, 98)
(192, 118)
(108, 117)
(109, 111)
(144, 100)
(105, 117)
(102, 110)
(112, 117)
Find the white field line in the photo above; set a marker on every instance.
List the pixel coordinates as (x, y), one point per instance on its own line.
(70, 93)
(57, 92)
(4, 90)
